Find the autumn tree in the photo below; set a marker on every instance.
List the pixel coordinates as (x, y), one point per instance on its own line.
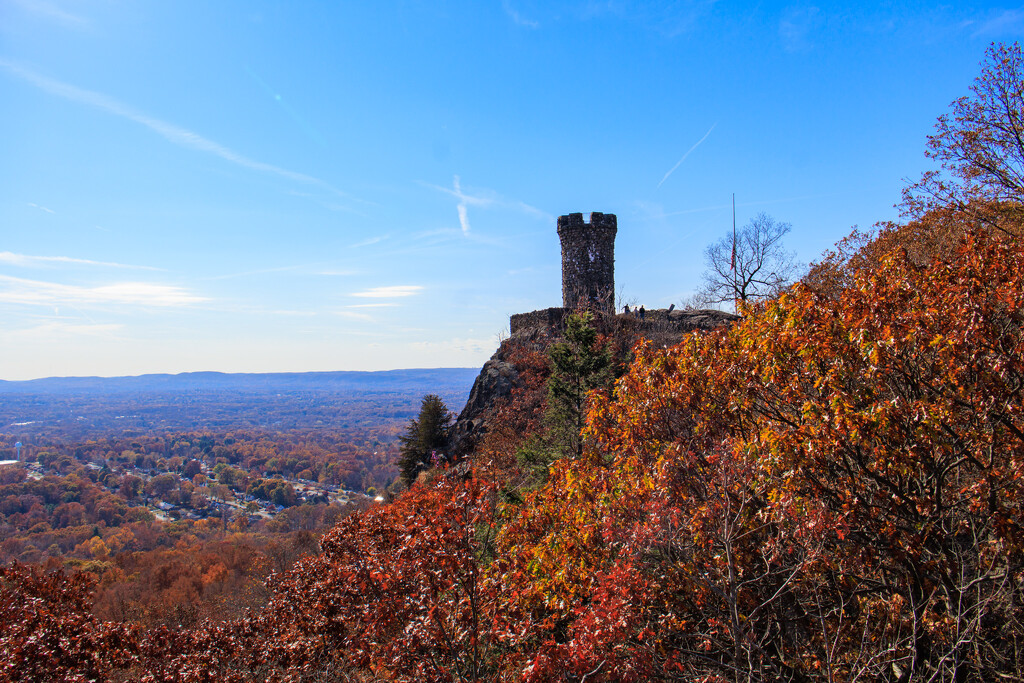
(399, 593)
(979, 145)
(425, 438)
(830, 489)
(47, 632)
(747, 265)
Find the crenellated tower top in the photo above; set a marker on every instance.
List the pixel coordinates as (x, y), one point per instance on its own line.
(588, 261)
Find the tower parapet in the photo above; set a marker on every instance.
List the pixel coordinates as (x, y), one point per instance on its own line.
(588, 261)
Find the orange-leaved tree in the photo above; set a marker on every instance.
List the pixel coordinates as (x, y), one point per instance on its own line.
(48, 633)
(979, 146)
(398, 592)
(831, 489)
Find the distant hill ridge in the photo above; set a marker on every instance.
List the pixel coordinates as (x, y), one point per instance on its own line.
(382, 380)
(81, 407)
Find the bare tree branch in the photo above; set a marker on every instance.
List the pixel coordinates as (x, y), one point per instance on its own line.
(759, 267)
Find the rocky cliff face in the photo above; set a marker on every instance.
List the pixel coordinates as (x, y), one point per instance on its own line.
(499, 377)
(496, 380)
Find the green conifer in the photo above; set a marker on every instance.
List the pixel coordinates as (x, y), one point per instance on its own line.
(425, 439)
(578, 366)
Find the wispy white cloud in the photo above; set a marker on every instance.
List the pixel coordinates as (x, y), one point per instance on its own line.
(533, 211)
(468, 199)
(370, 240)
(669, 19)
(290, 313)
(52, 11)
(338, 273)
(521, 271)
(462, 206)
(656, 211)
(25, 260)
(483, 199)
(459, 345)
(302, 269)
(259, 271)
(334, 206)
(381, 305)
(34, 292)
(517, 18)
(353, 315)
(680, 162)
(432, 239)
(1008, 21)
(435, 233)
(797, 27)
(390, 292)
(56, 330)
(175, 134)
(41, 208)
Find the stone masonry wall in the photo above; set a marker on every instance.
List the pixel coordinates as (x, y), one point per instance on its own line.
(588, 261)
(544, 319)
(552, 321)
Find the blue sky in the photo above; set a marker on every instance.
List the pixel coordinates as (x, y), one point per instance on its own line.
(267, 186)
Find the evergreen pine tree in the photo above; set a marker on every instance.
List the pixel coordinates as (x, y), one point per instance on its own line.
(426, 435)
(578, 365)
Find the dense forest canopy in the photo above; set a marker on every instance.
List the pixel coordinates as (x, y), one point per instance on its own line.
(830, 489)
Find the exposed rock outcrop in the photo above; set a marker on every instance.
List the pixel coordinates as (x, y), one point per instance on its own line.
(496, 380)
(535, 331)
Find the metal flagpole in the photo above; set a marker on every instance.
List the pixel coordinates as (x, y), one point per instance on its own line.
(732, 262)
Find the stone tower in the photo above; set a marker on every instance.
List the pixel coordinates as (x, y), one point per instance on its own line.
(588, 261)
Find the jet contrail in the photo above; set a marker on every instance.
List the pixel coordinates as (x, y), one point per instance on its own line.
(695, 146)
(175, 134)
